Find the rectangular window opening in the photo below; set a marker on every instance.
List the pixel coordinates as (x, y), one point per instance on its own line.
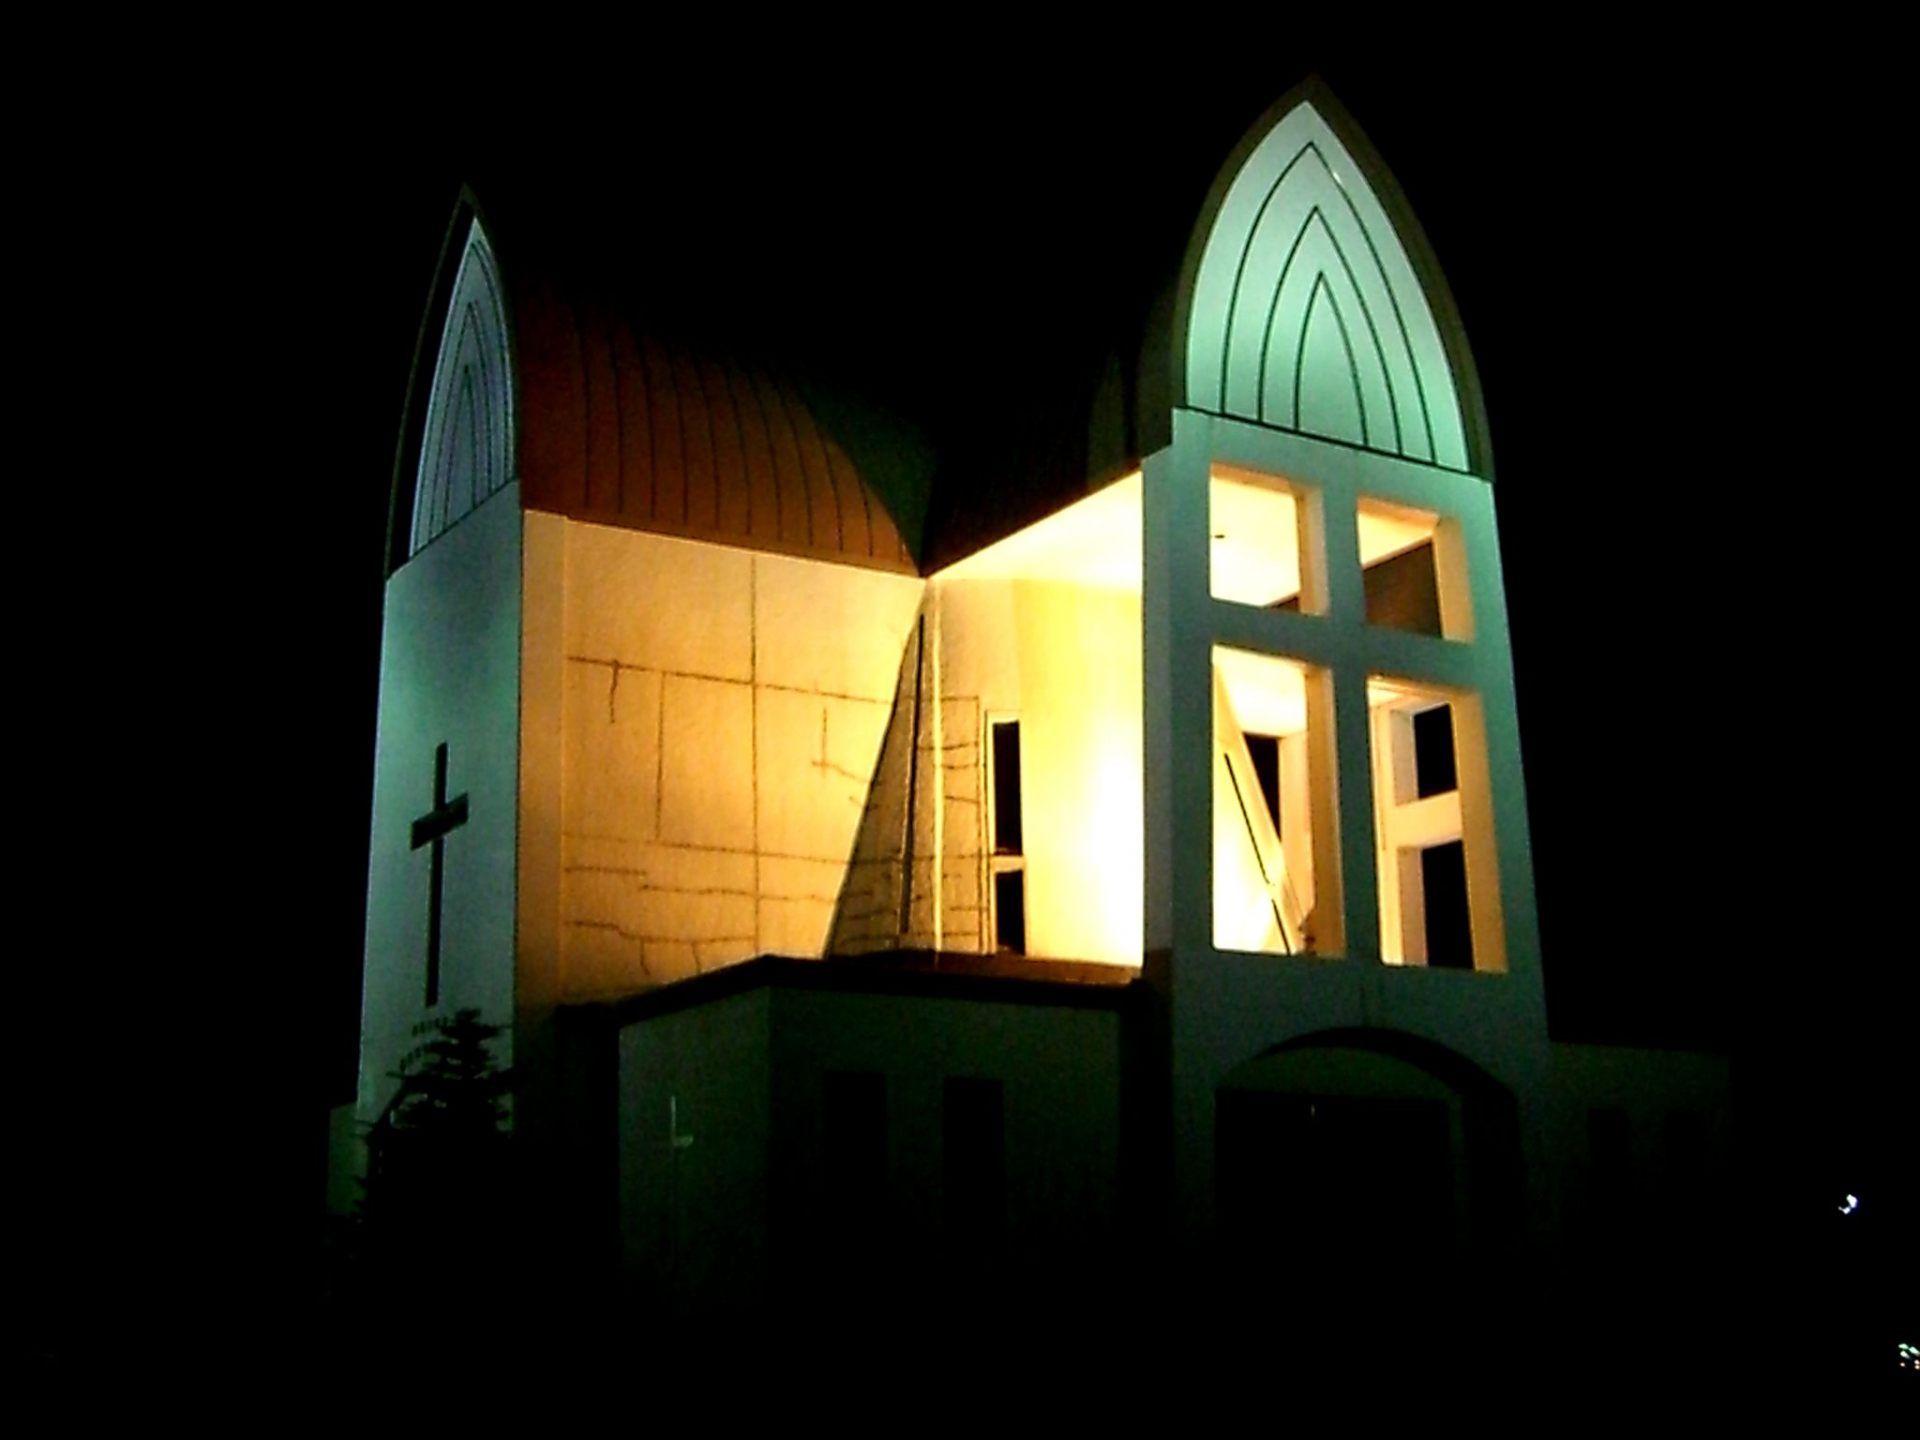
(1007, 865)
(1262, 543)
(1443, 890)
(1275, 861)
(1010, 911)
(1413, 571)
(1265, 753)
(1434, 770)
(1433, 841)
(1005, 760)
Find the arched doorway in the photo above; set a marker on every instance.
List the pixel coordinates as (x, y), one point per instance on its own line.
(1359, 1163)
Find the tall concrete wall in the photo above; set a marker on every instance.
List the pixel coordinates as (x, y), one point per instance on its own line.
(712, 722)
(449, 674)
(1227, 1007)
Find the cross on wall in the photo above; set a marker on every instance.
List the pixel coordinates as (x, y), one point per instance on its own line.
(432, 829)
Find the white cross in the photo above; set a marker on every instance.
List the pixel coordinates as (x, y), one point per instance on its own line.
(675, 1140)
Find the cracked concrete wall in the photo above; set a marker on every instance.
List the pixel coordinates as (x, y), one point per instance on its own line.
(720, 713)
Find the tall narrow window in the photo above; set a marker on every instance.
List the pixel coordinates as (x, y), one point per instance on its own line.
(1010, 910)
(1433, 838)
(853, 1123)
(974, 1159)
(1006, 787)
(1275, 868)
(1265, 751)
(1009, 856)
(853, 1243)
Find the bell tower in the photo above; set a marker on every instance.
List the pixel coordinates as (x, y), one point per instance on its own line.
(1352, 930)
(440, 894)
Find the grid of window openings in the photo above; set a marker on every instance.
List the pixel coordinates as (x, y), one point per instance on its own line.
(1277, 789)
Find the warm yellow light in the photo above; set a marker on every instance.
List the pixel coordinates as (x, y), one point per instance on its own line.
(1095, 541)
(1414, 814)
(1264, 890)
(1388, 530)
(1269, 696)
(1044, 628)
(1255, 540)
(1381, 691)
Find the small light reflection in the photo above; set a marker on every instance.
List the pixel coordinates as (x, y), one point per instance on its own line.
(1853, 1204)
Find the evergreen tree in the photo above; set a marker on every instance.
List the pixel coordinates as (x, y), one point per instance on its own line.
(435, 1192)
(451, 1089)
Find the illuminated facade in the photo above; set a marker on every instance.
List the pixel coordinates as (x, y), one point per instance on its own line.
(1130, 871)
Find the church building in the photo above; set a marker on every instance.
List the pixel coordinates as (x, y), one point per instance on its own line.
(1150, 876)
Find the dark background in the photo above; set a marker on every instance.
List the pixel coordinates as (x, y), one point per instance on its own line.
(1680, 337)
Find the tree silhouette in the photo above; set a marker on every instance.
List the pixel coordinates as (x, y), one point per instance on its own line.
(436, 1188)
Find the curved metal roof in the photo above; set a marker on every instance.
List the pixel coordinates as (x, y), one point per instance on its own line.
(624, 428)
(619, 426)
(1308, 300)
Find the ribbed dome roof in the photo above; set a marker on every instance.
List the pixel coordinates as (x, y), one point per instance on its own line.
(623, 428)
(523, 376)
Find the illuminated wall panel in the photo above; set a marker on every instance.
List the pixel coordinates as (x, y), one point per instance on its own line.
(1037, 637)
(716, 759)
(1080, 771)
(1064, 661)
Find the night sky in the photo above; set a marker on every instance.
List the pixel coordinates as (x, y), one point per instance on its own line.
(957, 244)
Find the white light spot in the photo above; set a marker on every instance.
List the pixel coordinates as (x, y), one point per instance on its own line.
(1853, 1204)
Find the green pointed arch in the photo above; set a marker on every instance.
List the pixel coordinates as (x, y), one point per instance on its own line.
(1311, 302)
(465, 444)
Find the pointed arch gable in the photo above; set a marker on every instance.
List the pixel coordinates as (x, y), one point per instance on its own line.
(1327, 397)
(465, 444)
(1316, 283)
(1310, 302)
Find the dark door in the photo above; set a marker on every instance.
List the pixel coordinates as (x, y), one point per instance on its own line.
(1315, 1188)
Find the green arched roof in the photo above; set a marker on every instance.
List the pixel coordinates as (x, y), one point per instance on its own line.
(1310, 301)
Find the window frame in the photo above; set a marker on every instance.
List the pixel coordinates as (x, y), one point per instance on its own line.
(1337, 637)
(1003, 862)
